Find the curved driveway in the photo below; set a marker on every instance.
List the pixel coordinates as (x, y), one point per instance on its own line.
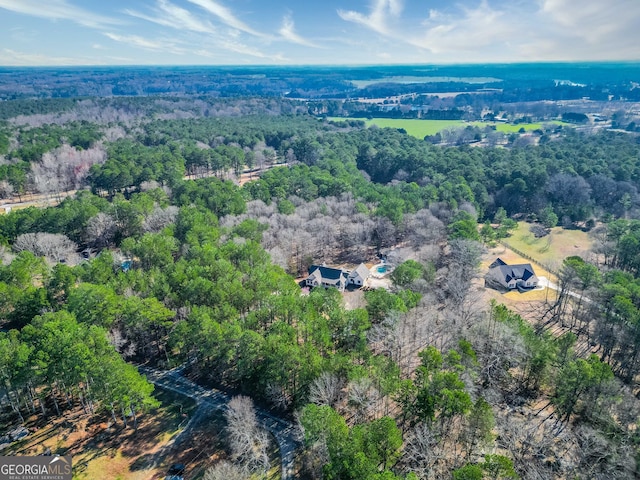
(282, 430)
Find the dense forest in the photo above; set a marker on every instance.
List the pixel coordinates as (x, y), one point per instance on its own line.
(580, 176)
(190, 220)
(511, 82)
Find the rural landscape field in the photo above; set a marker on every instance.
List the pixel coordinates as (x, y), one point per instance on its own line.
(242, 241)
(422, 128)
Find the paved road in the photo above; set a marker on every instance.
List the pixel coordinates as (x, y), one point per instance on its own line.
(282, 430)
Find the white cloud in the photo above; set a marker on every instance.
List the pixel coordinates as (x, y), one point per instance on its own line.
(378, 17)
(170, 15)
(468, 30)
(226, 16)
(57, 10)
(588, 30)
(212, 44)
(594, 20)
(159, 45)
(15, 58)
(23, 35)
(507, 30)
(237, 47)
(288, 32)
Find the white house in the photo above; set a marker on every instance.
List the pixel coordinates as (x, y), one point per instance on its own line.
(358, 276)
(319, 275)
(510, 277)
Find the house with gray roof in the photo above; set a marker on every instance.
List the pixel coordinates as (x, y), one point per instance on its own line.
(510, 277)
(321, 275)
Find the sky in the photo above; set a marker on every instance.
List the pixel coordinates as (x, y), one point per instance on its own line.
(310, 32)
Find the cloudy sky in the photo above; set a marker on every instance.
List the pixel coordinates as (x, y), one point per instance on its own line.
(263, 32)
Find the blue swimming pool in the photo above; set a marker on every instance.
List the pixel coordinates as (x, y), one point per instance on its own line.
(382, 269)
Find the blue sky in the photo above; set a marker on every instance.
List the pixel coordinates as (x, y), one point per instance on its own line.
(264, 32)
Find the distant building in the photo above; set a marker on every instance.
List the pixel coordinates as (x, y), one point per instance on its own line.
(511, 277)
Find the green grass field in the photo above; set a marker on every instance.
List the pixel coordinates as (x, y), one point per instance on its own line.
(422, 128)
(417, 128)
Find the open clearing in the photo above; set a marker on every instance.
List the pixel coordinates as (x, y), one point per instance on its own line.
(527, 304)
(422, 128)
(552, 249)
(409, 79)
(417, 128)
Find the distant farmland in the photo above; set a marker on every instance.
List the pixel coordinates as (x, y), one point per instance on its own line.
(422, 128)
(417, 128)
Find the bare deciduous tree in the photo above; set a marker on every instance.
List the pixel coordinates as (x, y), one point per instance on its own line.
(499, 348)
(101, 230)
(529, 443)
(425, 455)
(248, 441)
(324, 230)
(6, 189)
(325, 390)
(160, 218)
(65, 168)
(600, 457)
(152, 185)
(278, 396)
(364, 399)
(423, 228)
(6, 256)
(51, 245)
(225, 471)
(123, 346)
(464, 259)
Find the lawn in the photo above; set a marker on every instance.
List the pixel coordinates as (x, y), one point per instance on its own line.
(549, 251)
(552, 249)
(422, 128)
(526, 303)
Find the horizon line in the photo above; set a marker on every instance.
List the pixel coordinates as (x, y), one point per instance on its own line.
(331, 65)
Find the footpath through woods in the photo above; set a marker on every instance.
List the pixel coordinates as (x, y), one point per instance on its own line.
(212, 399)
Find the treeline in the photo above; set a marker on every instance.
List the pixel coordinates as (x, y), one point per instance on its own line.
(603, 305)
(56, 361)
(519, 82)
(566, 174)
(11, 109)
(93, 221)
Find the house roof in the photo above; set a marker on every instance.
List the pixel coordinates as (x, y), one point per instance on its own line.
(506, 273)
(361, 270)
(497, 263)
(327, 273)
